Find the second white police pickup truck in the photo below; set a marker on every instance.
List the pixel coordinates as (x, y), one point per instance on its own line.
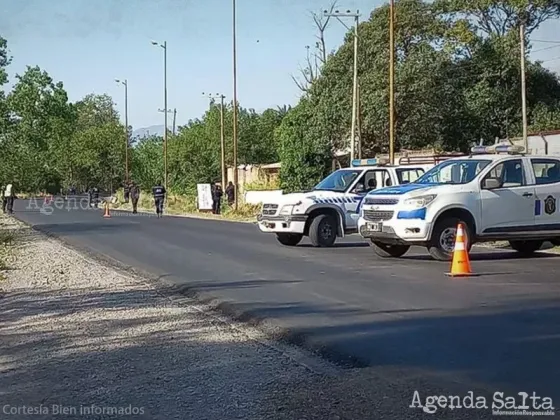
(331, 209)
(498, 193)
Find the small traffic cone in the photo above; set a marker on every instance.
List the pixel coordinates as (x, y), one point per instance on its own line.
(107, 215)
(461, 265)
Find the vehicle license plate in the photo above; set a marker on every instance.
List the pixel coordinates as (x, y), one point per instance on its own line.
(374, 227)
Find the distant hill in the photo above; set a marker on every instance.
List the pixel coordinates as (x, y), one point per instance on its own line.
(153, 130)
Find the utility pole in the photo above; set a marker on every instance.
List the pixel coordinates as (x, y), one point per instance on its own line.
(349, 14)
(359, 123)
(174, 119)
(222, 134)
(126, 132)
(234, 47)
(523, 86)
(392, 82)
(164, 46)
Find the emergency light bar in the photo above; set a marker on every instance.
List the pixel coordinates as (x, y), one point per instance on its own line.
(498, 148)
(369, 162)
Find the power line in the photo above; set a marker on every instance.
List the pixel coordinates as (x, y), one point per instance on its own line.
(547, 48)
(545, 41)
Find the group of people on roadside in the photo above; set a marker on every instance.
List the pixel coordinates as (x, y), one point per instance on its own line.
(132, 194)
(218, 193)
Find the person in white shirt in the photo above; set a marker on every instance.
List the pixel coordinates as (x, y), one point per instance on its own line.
(8, 201)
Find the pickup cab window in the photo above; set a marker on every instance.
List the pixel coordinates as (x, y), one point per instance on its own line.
(456, 171)
(547, 171)
(407, 175)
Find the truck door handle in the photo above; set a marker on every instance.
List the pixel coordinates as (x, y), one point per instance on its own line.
(527, 194)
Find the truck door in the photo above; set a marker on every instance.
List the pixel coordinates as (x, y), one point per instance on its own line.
(370, 180)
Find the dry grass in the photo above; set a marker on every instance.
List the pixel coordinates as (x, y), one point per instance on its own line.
(8, 240)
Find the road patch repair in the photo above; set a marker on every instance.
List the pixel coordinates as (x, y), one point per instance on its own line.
(84, 339)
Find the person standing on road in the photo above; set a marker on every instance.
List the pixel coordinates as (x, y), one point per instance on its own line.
(134, 196)
(8, 199)
(230, 193)
(159, 196)
(217, 194)
(95, 197)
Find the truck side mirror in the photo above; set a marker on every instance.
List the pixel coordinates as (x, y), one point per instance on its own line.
(491, 183)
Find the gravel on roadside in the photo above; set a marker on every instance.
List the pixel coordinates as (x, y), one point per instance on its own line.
(79, 339)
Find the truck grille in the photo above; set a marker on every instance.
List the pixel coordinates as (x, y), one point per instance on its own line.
(269, 209)
(382, 201)
(377, 215)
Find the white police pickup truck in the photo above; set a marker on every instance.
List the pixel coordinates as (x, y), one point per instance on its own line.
(330, 210)
(498, 192)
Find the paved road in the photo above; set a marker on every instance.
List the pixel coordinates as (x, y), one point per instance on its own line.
(499, 330)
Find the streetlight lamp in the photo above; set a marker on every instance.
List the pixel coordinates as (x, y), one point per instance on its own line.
(349, 14)
(222, 137)
(164, 47)
(234, 48)
(126, 133)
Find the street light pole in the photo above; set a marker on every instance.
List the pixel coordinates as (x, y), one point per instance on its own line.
(523, 87)
(164, 46)
(222, 134)
(392, 82)
(126, 132)
(356, 16)
(234, 48)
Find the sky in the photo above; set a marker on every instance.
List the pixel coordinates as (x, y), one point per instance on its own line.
(88, 44)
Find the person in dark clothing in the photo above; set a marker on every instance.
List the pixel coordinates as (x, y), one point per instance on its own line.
(127, 187)
(159, 197)
(95, 197)
(134, 196)
(217, 194)
(230, 193)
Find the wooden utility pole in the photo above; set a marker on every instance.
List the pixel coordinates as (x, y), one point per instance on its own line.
(174, 119)
(235, 174)
(523, 86)
(359, 123)
(392, 82)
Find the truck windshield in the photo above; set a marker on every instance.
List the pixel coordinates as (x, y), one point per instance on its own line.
(453, 172)
(338, 181)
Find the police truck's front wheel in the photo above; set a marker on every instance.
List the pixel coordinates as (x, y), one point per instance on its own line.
(389, 251)
(442, 242)
(289, 239)
(323, 230)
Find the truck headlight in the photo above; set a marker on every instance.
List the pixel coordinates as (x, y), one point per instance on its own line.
(286, 209)
(420, 201)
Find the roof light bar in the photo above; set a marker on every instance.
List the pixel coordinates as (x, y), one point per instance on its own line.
(498, 148)
(365, 162)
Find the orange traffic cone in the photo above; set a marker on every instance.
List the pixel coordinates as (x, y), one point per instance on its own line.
(461, 265)
(107, 214)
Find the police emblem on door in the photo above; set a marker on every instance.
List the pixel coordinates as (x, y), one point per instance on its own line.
(549, 205)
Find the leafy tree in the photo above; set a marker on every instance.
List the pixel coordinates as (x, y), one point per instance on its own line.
(304, 155)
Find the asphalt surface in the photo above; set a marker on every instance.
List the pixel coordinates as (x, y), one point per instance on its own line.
(499, 330)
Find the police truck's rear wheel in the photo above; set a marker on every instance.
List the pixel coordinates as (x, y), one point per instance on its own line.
(289, 239)
(389, 251)
(323, 230)
(526, 248)
(442, 242)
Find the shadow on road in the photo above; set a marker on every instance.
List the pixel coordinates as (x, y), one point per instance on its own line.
(78, 228)
(340, 245)
(489, 256)
(118, 349)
